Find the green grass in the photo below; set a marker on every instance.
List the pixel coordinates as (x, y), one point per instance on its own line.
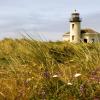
(34, 70)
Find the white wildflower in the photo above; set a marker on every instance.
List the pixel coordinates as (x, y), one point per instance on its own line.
(71, 60)
(77, 75)
(32, 77)
(55, 76)
(28, 88)
(69, 83)
(28, 80)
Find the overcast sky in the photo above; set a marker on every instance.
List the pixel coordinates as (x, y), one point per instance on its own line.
(47, 17)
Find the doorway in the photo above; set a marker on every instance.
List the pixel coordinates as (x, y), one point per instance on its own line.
(85, 40)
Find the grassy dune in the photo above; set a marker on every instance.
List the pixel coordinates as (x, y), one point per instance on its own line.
(33, 70)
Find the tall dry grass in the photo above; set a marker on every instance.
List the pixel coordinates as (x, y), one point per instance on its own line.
(34, 70)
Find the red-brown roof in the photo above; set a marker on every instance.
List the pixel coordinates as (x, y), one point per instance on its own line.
(88, 31)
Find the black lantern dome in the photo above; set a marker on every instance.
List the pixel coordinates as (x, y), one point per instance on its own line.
(75, 17)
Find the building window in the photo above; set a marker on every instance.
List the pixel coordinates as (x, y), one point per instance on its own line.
(85, 40)
(92, 40)
(72, 37)
(72, 26)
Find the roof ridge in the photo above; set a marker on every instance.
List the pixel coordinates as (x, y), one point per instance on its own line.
(88, 30)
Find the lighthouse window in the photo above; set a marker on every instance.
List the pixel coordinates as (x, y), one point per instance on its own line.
(73, 37)
(72, 26)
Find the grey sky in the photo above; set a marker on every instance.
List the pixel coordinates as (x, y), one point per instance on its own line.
(48, 17)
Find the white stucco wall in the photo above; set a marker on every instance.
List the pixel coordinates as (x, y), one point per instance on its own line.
(66, 38)
(75, 31)
(91, 38)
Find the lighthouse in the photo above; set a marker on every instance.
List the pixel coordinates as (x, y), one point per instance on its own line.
(75, 27)
(78, 35)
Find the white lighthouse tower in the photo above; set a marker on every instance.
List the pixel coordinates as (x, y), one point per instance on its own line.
(75, 28)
